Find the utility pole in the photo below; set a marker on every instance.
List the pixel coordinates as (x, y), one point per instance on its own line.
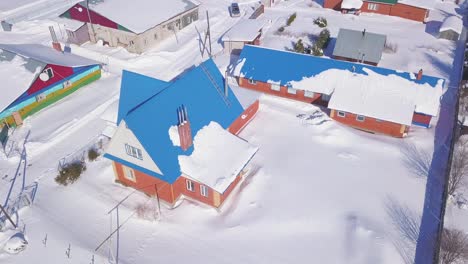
(207, 37)
(7, 216)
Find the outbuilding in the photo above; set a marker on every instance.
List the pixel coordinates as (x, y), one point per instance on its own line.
(359, 46)
(451, 28)
(173, 144)
(137, 25)
(35, 76)
(247, 31)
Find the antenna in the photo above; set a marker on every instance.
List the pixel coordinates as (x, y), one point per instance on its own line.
(226, 92)
(207, 37)
(179, 115)
(185, 113)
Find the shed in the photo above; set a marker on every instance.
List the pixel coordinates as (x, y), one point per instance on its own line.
(359, 46)
(451, 28)
(247, 31)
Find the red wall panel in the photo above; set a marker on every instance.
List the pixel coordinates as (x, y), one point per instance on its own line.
(244, 119)
(383, 9)
(96, 18)
(332, 4)
(60, 73)
(422, 119)
(409, 12)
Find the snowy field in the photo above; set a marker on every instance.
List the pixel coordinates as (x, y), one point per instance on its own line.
(316, 190)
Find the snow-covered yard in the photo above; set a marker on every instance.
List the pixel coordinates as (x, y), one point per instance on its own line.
(316, 190)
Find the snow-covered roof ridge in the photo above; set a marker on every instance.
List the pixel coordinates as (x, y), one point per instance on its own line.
(141, 15)
(426, 4)
(218, 157)
(391, 98)
(245, 30)
(454, 23)
(48, 55)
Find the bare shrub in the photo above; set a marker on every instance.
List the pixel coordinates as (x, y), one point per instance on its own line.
(70, 173)
(291, 19)
(453, 247)
(92, 154)
(146, 211)
(390, 47)
(459, 169)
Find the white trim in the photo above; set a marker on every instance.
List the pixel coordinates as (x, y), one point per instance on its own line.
(129, 173)
(373, 6)
(309, 94)
(292, 91)
(189, 185)
(275, 87)
(204, 190)
(341, 113)
(360, 118)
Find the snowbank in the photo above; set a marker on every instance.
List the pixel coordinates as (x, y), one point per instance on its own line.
(245, 30)
(350, 4)
(174, 135)
(452, 22)
(218, 157)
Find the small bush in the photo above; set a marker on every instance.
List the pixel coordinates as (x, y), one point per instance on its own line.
(291, 19)
(281, 29)
(316, 50)
(92, 154)
(299, 46)
(321, 22)
(324, 39)
(70, 173)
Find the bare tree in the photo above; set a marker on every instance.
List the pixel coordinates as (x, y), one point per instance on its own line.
(459, 170)
(453, 247)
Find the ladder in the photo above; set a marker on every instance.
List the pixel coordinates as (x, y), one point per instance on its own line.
(220, 91)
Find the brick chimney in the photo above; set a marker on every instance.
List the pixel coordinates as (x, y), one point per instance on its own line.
(420, 75)
(55, 43)
(185, 132)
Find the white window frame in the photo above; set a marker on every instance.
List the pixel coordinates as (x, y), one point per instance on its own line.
(129, 174)
(252, 81)
(309, 94)
(292, 91)
(275, 87)
(360, 118)
(134, 152)
(40, 97)
(189, 185)
(203, 190)
(373, 6)
(341, 113)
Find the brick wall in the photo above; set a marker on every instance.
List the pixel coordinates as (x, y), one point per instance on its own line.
(409, 12)
(371, 124)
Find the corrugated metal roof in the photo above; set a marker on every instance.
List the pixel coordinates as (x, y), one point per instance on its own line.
(359, 45)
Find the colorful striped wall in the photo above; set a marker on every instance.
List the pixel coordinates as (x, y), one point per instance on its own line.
(51, 95)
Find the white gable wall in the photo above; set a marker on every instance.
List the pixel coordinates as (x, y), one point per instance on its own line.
(116, 148)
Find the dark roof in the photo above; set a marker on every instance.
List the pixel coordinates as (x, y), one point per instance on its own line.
(359, 45)
(391, 2)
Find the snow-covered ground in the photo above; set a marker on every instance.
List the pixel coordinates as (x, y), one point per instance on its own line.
(316, 190)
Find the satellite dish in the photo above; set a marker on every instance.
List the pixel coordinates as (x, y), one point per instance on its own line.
(44, 77)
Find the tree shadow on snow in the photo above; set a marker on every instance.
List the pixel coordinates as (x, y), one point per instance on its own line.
(417, 161)
(407, 223)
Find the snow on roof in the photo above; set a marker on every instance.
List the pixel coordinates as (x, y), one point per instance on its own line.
(141, 15)
(47, 55)
(10, 5)
(16, 79)
(218, 157)
(350, 4)
(426, 4)
(359, 45)
(151, 117)
(245, 30)
(294, 69)
(389, 98)
(324, 82)
(452, 22)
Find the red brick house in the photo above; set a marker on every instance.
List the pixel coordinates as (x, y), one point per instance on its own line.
(365, 97)
(417, 10)
(172, 144)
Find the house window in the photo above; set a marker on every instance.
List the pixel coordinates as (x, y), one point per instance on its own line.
(204, 190)
(40, 97)
(309, 94)
(373, 6)
(341, 114)
(155, 36)
(129, 174)
(251, 81)
(190, 185)
(134, 152)
(275, 87)
(292, 91)
(360, 118)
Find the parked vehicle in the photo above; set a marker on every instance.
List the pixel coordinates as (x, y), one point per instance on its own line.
(235, 10)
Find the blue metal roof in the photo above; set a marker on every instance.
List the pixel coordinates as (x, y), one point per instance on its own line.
(200, 90)
(264, 64)
(132, 95)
